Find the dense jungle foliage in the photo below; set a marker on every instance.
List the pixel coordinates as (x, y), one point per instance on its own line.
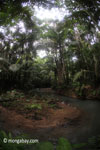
(71, 45)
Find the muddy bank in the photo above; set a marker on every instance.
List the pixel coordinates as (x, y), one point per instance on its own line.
(87, 93)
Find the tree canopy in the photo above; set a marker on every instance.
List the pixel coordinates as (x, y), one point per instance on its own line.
(71, 45)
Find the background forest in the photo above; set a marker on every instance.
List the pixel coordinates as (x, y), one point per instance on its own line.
(71, 45)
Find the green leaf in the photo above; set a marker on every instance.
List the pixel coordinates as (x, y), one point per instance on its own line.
(79, 145)
(9, 135)
(45, 146)
(63, 144)
(3, 135)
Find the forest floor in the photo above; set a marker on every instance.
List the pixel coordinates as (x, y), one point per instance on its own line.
(28, 113)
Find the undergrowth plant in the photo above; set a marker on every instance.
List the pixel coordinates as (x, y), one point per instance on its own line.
(93, 143)
(4, 145)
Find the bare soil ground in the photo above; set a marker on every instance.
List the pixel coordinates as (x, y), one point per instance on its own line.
(48, 117)
(20, 113)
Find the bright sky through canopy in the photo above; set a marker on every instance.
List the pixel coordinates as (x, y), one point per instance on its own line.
(46, 14)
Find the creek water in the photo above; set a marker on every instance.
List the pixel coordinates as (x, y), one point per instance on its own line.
(88, 127)
(91, 120)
